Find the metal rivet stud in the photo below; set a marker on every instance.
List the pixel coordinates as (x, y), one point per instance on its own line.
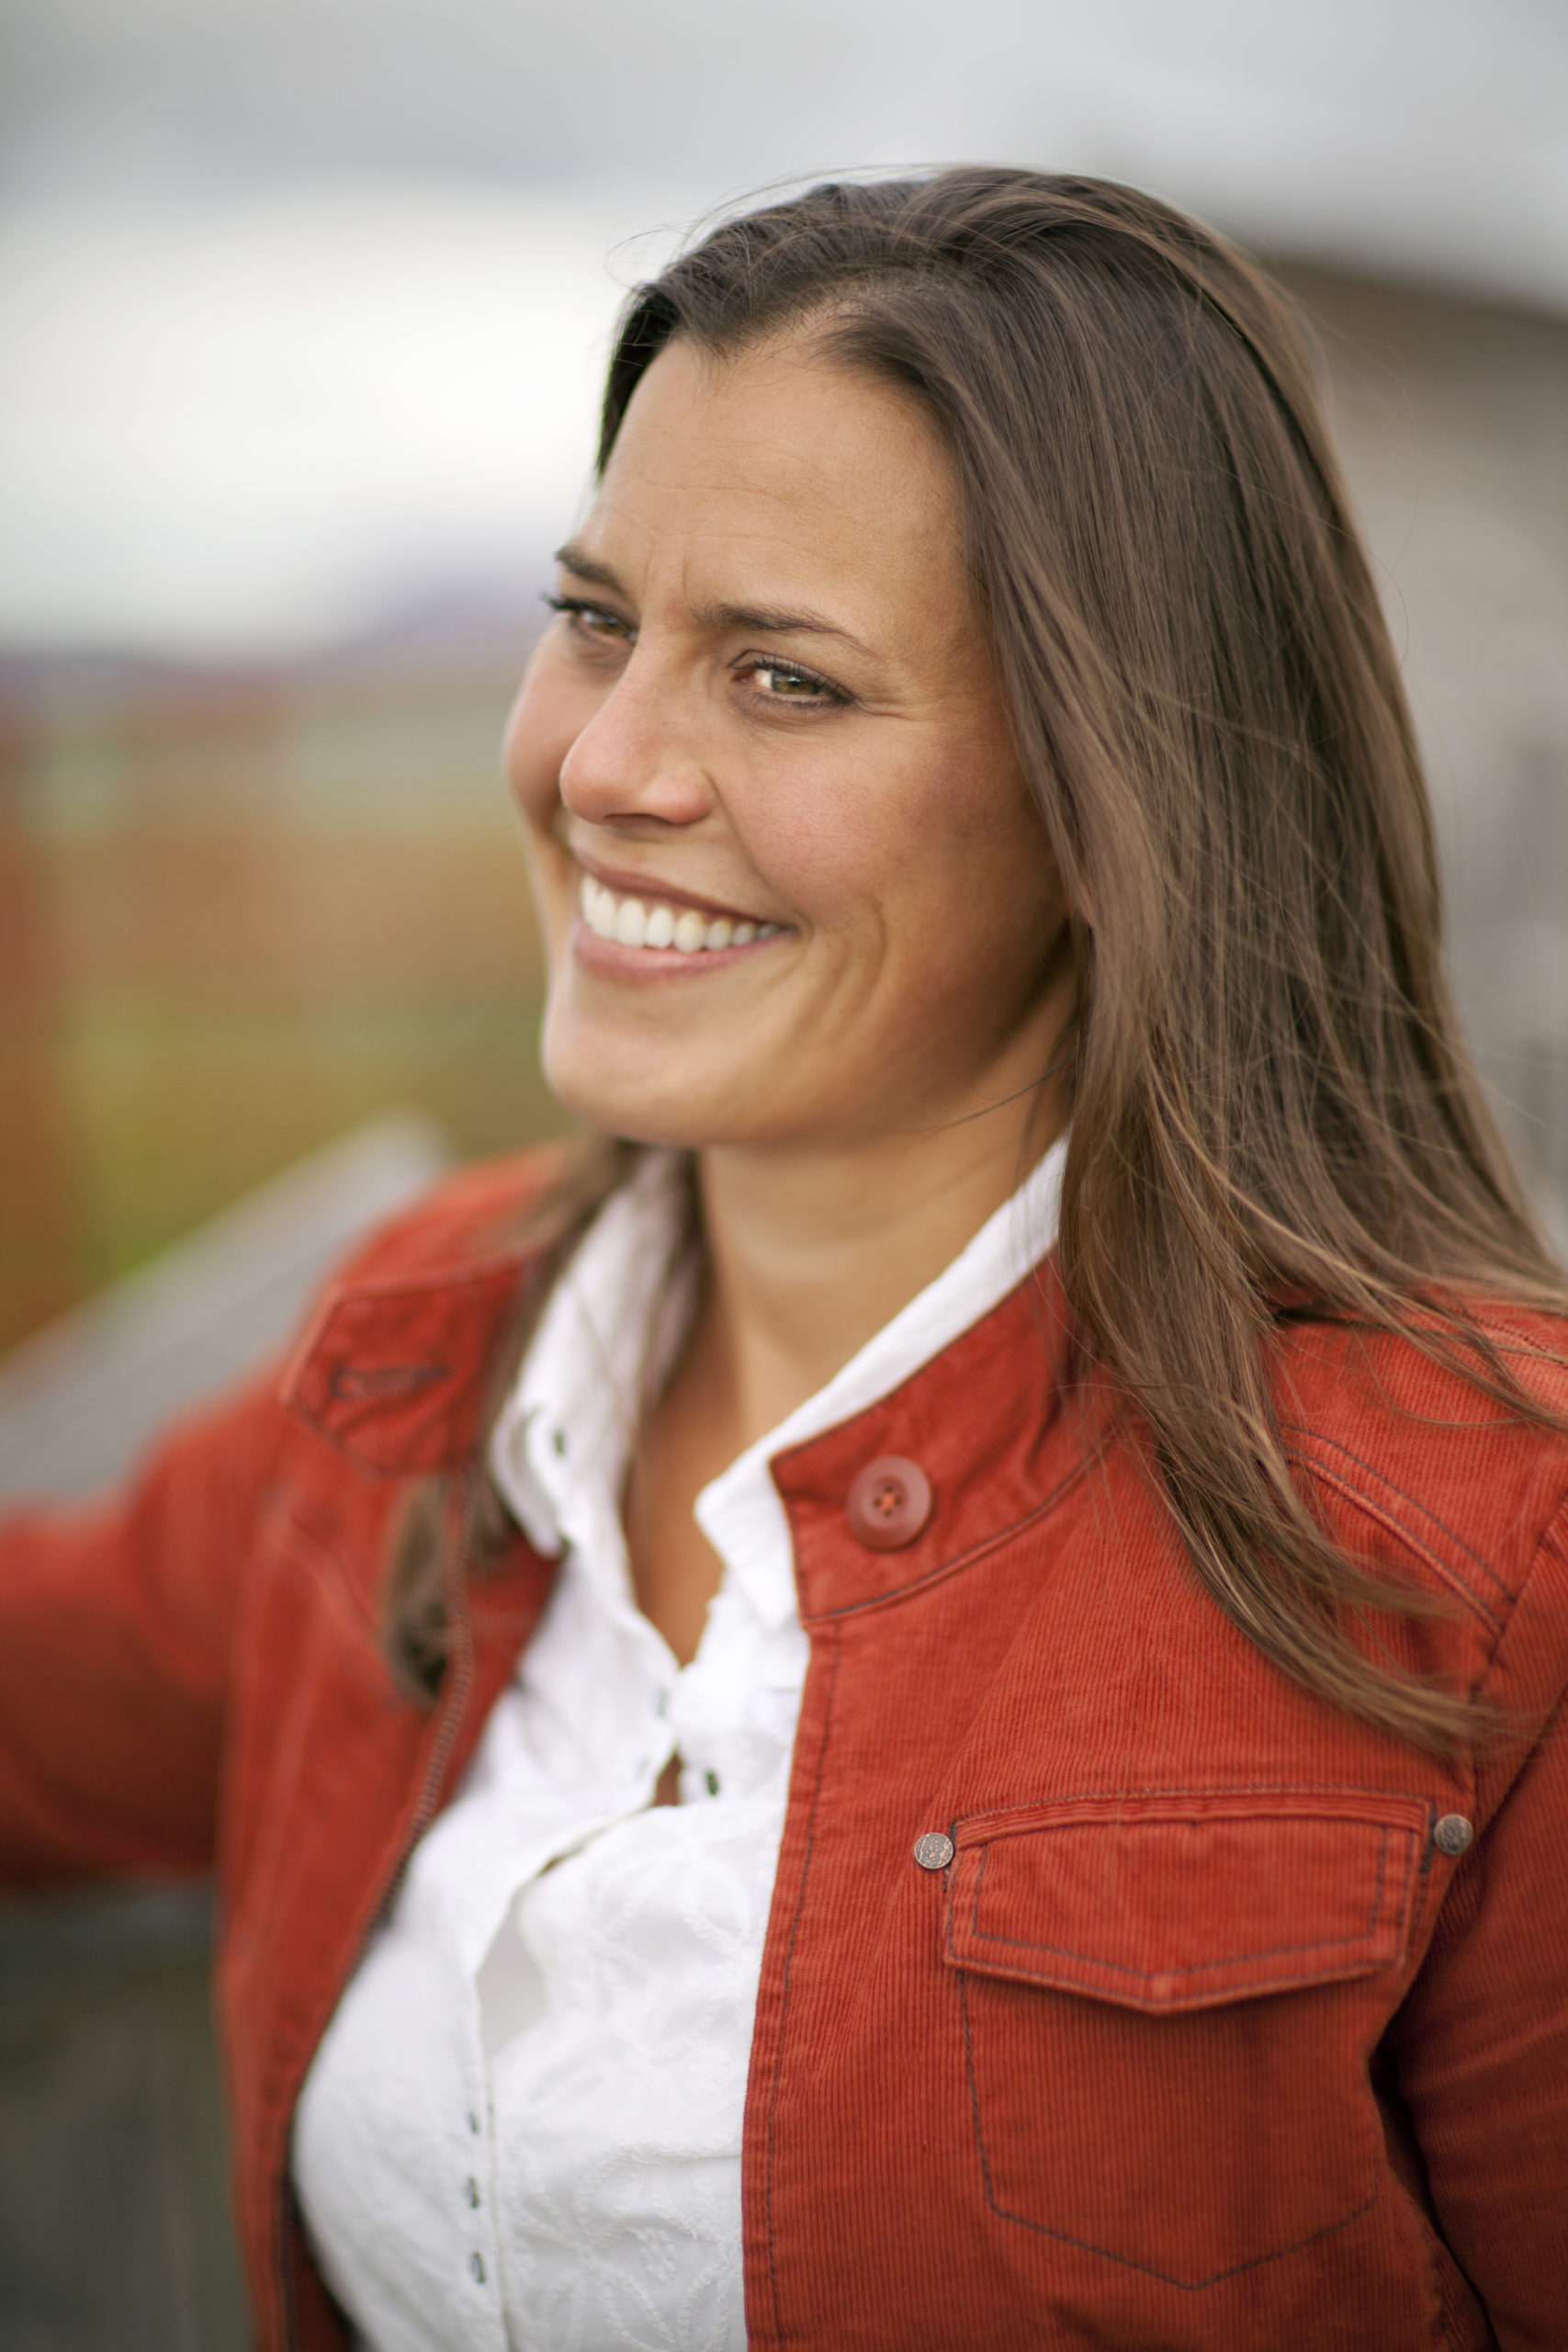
(1451, 1833)
(934, 1851)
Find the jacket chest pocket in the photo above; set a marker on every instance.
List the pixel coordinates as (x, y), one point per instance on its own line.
(1167, 2005)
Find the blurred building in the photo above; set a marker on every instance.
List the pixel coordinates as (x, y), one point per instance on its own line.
(1452, 418)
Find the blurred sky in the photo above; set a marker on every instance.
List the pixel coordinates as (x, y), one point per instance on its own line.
(301, 301)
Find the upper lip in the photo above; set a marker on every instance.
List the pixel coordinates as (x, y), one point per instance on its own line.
(649, 888)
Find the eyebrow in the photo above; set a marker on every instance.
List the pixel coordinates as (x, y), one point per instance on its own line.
(768, 619)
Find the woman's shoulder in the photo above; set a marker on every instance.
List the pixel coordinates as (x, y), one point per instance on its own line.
(395, 1359)
(1406, 1433)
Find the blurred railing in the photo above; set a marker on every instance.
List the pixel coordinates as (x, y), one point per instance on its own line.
(114, 2216)
(114, 2234)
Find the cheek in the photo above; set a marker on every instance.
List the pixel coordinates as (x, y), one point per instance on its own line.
(841, 840)
(545, 721)
(937, 856)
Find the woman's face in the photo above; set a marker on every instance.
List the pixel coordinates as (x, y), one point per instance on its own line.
(794, 889)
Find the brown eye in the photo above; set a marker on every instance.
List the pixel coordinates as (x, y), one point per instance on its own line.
(784, 682)
(589, 620)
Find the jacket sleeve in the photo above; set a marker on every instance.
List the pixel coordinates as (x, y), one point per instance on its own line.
(117, 1622)
(1483, 2039)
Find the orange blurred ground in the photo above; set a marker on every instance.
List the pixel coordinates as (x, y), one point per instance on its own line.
(236, 918)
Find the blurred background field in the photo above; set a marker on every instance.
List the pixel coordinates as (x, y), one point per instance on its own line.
(302, 305)
(242, 914)
(248, 902)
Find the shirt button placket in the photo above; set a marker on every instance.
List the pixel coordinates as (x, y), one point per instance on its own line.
(477, 2238)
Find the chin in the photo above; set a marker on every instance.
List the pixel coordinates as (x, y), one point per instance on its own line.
(619, 1103)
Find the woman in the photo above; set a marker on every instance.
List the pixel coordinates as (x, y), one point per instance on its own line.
(869, 1720)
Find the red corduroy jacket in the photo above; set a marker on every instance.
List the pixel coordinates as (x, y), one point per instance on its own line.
(1209, 2019)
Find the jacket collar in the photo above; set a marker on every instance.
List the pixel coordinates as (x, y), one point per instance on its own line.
(395, 1372)
(998, 1425)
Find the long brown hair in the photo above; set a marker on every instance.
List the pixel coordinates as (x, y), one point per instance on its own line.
(1272, 1108)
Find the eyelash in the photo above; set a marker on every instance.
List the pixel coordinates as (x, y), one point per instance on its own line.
(825, 694)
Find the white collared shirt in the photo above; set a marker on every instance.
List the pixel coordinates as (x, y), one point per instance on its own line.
(522, 2129)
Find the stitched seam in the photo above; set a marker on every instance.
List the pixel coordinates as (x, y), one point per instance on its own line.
(1086, 2246)
(366, 1464)
(1191, 1968)
(1231, 1789)
(784, 1995)
(352, 1382)
(1178, 2005)
(974, 2087)
(1550, 1534)
(1403, 1534)
(323, 1564)
(1319, 1437)
(961, 1559)
(1215, 2277)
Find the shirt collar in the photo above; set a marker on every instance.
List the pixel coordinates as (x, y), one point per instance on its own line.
(615, 1319)
(566, 1432)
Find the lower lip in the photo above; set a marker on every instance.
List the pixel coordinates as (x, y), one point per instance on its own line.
(617, 962)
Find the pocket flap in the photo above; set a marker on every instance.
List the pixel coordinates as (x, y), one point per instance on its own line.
(1185, 1900)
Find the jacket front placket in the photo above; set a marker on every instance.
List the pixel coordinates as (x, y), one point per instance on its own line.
(906, 1642)
(393, 1375)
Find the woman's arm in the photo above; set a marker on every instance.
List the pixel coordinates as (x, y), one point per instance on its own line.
(117, 1620)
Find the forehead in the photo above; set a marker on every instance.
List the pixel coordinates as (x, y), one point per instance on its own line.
(780, 460)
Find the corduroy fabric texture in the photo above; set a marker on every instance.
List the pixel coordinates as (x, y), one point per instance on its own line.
(1200, 2039)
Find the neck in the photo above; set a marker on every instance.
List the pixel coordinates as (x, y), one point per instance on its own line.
(810, 1254)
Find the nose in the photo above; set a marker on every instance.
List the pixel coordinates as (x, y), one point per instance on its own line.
(632, 762)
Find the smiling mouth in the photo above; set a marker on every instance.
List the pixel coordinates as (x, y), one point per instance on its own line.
(650, 923)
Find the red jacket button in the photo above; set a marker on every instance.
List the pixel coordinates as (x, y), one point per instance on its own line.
(889, 1502)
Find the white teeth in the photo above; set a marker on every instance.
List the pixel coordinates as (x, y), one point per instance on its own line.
(633, 923)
